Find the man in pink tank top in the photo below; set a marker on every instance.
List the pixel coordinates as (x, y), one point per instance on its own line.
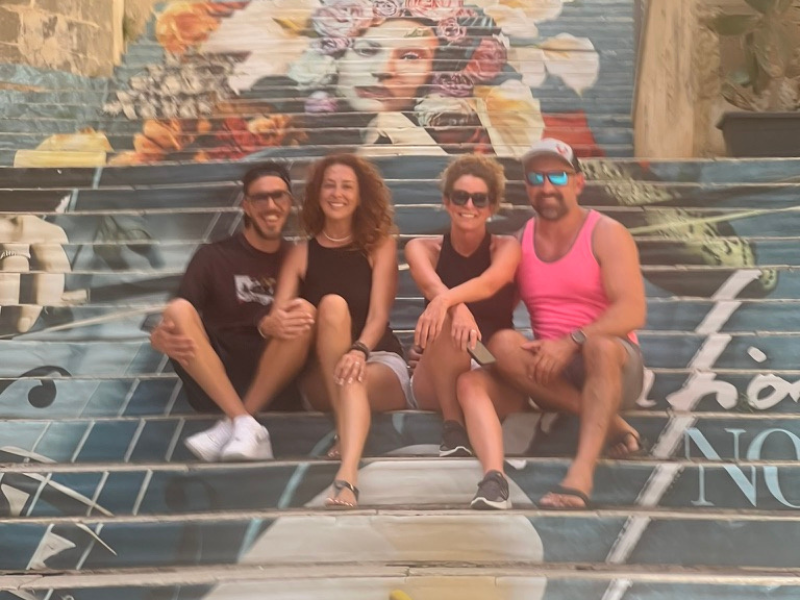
(581, 281)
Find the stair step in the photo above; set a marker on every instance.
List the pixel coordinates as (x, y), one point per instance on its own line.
(413, 538)
(354, 582)
(141, 439)
(44, 491)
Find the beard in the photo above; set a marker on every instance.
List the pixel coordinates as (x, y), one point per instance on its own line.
(268, 234)
(552, 211)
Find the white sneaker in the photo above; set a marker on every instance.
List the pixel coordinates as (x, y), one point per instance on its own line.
(250, 441)
(208, 444)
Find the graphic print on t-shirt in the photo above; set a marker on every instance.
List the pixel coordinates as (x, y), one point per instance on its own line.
(251, 289)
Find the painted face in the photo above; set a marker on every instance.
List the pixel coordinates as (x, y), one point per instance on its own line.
(468, 216)
(551, 201)
(339, 195)
(268, 203)
(385, 67)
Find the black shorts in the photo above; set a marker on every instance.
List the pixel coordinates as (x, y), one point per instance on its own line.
(632, 374)
(240, 354)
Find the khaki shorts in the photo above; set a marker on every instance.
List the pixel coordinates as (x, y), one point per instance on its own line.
(632, 374)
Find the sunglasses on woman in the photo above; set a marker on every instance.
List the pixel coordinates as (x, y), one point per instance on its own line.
(557, 178)
(460, 198)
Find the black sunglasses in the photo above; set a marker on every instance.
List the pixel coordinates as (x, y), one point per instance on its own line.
(277, 196)
(460, 198)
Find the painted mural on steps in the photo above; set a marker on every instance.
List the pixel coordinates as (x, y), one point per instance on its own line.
(397, 76)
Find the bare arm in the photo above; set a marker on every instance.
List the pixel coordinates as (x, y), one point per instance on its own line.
(289, 316)
(382, 295)
(422, 255)
(622, 279)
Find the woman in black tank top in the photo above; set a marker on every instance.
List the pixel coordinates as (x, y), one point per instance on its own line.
(466, 277)
(348, 271)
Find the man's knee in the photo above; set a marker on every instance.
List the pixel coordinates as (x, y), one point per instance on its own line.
(180, 311)
(506, 346)
(604, 354)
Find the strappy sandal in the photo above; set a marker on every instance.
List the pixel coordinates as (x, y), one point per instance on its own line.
(333, 501)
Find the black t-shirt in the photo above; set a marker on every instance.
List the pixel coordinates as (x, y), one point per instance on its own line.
(232, 284)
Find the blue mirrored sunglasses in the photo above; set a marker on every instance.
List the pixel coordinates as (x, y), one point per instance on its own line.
(557, 178)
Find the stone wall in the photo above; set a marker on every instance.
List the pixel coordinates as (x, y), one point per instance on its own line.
(85, 37)
(678, 100)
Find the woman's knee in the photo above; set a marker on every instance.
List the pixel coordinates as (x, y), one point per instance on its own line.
(471, 388)
(333, 310)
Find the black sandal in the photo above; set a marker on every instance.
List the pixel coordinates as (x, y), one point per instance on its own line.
(339, 485)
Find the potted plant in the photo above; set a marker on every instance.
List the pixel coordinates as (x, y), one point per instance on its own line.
(763, 78)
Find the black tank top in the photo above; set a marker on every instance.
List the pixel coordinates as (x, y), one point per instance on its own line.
(345, 272)
(493, 313)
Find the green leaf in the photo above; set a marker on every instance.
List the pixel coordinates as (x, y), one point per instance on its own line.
(762, 6)
(732, 24)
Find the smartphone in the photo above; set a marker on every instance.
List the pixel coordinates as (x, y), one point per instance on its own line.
(150, 322)
(481, 354)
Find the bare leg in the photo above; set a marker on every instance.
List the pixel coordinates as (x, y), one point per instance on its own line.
(604, 358)
(436, 374)
(281, 361)
(560, 395)
(205, 367)
(486, 401)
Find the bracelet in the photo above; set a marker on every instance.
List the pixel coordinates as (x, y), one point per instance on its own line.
(361, 347)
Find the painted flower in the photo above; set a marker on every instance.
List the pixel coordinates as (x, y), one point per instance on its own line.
(535, 10)
(320, 102)
(435, 10)
(514, 22)
(572, 59)
(457, 85)
(183, 25)
(342, 18)
(225, 9)
(487, 60)
(451, 30)
(313, 71)
(386, 9)
(331, 46)
(269, 130)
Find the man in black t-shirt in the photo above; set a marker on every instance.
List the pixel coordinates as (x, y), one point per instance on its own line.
(215, 330)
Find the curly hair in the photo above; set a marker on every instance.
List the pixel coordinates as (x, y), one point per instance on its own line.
(481, 166)
(373, 219)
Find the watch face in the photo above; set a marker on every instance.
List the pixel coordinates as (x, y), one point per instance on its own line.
(578, 337)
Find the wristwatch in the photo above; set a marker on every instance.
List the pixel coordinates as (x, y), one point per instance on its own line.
(578, 336)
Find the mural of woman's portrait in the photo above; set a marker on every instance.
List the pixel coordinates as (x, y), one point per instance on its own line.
(374, 76)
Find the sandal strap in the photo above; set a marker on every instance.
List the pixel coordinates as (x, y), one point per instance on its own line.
(340, 484)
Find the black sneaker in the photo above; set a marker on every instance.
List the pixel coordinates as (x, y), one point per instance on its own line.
(492, 493)
(455, 441)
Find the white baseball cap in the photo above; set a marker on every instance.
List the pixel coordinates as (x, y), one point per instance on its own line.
(552, 147)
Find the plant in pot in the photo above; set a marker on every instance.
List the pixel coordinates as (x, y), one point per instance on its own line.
(763, 78)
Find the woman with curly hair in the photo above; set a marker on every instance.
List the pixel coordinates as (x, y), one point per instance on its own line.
(348, 270)
(466, 277)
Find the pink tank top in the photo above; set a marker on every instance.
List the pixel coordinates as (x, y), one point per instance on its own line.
(566, 294)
